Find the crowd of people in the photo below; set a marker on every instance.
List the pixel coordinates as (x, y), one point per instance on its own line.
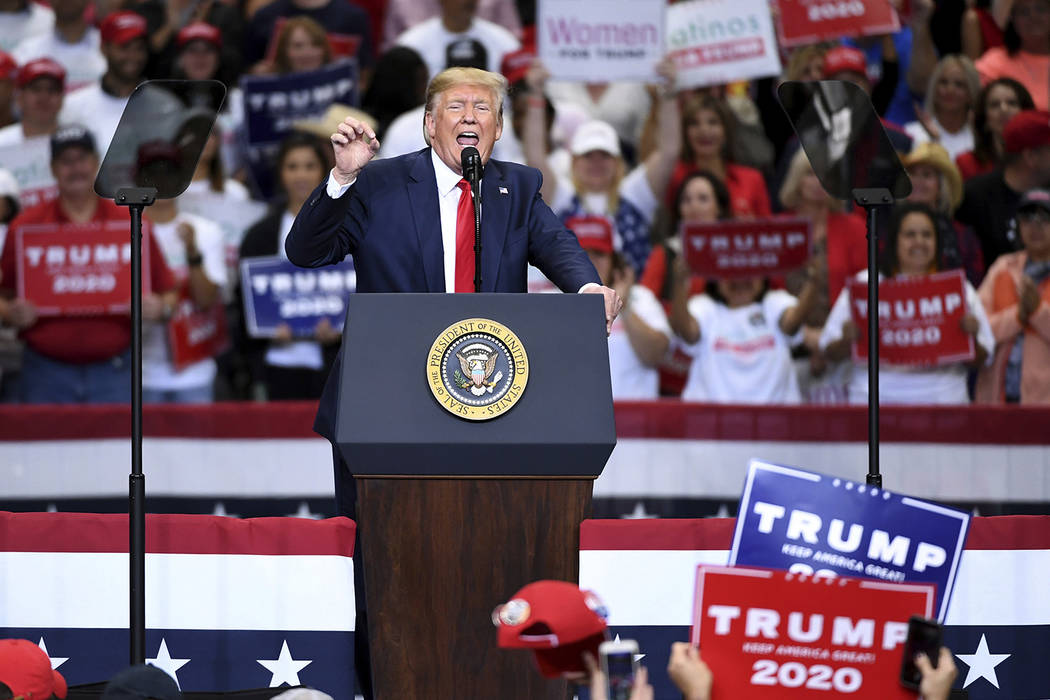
(963, 98)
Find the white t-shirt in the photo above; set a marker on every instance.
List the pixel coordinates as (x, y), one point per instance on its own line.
(742, 355)
(157, 370)
(83, 61)
(630, 378)
(18, 26)
(430, 40)
(907, 384)
(96, 110)
(624, 106)
(12, 135)
(957, 143)
(298, 353)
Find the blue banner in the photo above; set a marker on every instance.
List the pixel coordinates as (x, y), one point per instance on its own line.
(273, 103)
(277, 292)
(812, 523)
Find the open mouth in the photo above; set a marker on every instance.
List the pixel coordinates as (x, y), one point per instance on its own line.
(468, 138)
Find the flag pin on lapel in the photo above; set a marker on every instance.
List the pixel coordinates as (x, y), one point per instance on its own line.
(503, 190)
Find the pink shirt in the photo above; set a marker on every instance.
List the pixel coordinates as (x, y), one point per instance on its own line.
(1029, 69)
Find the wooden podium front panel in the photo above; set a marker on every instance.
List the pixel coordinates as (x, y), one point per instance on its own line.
(439, 555)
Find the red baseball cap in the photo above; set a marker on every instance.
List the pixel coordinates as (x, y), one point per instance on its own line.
(8, 66)
(41, 68)
(121, 27)
(26, 670)
(555, 619)
(593, 232)
(516, 64)
(1027, 129)
(843, 59)
(199, 30)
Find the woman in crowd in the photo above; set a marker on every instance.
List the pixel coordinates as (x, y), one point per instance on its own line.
(193, 248)
(707, 138)
(1016, 294)
(1025, 54)
(290, 368)
(600, 184)
(936, 182)
(949, 105)
(997, 102)
(739, 334)
(912, 250)
(301, 46)
(701, 199)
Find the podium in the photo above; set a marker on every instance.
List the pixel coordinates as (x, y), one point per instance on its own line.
(474, 425)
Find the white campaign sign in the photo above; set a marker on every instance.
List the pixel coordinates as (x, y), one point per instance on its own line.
(601, 40)
(714, 42)
(30, 163)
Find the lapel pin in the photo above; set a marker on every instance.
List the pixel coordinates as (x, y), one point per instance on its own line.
(504, 190)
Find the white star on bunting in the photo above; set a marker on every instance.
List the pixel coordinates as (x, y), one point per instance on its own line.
(284, 668)
(167, 664)
(56, 661)
(982, 664)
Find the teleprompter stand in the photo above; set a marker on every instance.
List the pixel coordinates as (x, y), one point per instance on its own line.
(456, 515)
(154, 153)
(852, 157)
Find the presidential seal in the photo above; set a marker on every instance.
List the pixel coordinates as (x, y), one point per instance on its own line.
(477, 369)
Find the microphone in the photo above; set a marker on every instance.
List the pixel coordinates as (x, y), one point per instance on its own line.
(470, 160)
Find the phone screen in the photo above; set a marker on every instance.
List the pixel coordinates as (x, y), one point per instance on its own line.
(924, 636)
(620, 669)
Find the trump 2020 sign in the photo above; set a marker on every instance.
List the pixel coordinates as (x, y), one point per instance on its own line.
(811, 523)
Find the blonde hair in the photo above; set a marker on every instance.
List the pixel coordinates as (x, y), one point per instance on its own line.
(461, 76)
(789, 191)
(800, 59)
(973, 80)
(612, 194)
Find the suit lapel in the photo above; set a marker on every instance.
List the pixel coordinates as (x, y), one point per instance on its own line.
(422, 194)
(495, 213)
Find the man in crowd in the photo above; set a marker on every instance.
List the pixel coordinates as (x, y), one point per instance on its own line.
(73, 43)
(402, 15)
(990, 200)
(76, 358)
(443, 40)
(40, 85)
(100, 104)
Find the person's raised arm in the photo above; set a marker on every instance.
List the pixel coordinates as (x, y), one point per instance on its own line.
(689, 672)
(649, 344)
(816, 277)
(923, 52)
(203, 291)
(660, 163)
(936, 682)
(535, 139)
(683, 323)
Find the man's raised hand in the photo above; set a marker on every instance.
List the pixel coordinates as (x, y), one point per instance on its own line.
(355, 143)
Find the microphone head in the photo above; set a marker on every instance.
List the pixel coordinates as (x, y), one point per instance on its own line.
(470, 159)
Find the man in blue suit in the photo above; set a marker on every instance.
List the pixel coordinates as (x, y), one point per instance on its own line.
(408, 223)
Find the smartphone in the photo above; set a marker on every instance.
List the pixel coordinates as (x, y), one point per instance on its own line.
(619, 666)
(924, 637)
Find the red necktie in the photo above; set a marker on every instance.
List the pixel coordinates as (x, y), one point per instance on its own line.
(465, 239)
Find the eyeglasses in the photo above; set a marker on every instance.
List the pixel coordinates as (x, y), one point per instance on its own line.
(1034, 216)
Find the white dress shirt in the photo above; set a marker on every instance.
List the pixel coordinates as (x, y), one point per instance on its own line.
(448, 202)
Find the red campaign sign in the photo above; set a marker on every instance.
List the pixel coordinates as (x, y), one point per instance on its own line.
(754, 248)
(809, 21)
(774, 634)
(343, 45)
(919, 320)
(67, 268)
(195, 335)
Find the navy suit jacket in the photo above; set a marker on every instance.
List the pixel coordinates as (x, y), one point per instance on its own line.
(390, 222)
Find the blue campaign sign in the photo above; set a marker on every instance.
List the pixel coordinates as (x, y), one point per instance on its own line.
(812, 523)
(276, 292)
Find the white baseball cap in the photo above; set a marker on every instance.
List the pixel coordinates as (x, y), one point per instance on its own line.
(595, 136)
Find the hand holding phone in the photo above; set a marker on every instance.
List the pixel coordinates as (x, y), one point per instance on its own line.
(924, 637)
(618, 663)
